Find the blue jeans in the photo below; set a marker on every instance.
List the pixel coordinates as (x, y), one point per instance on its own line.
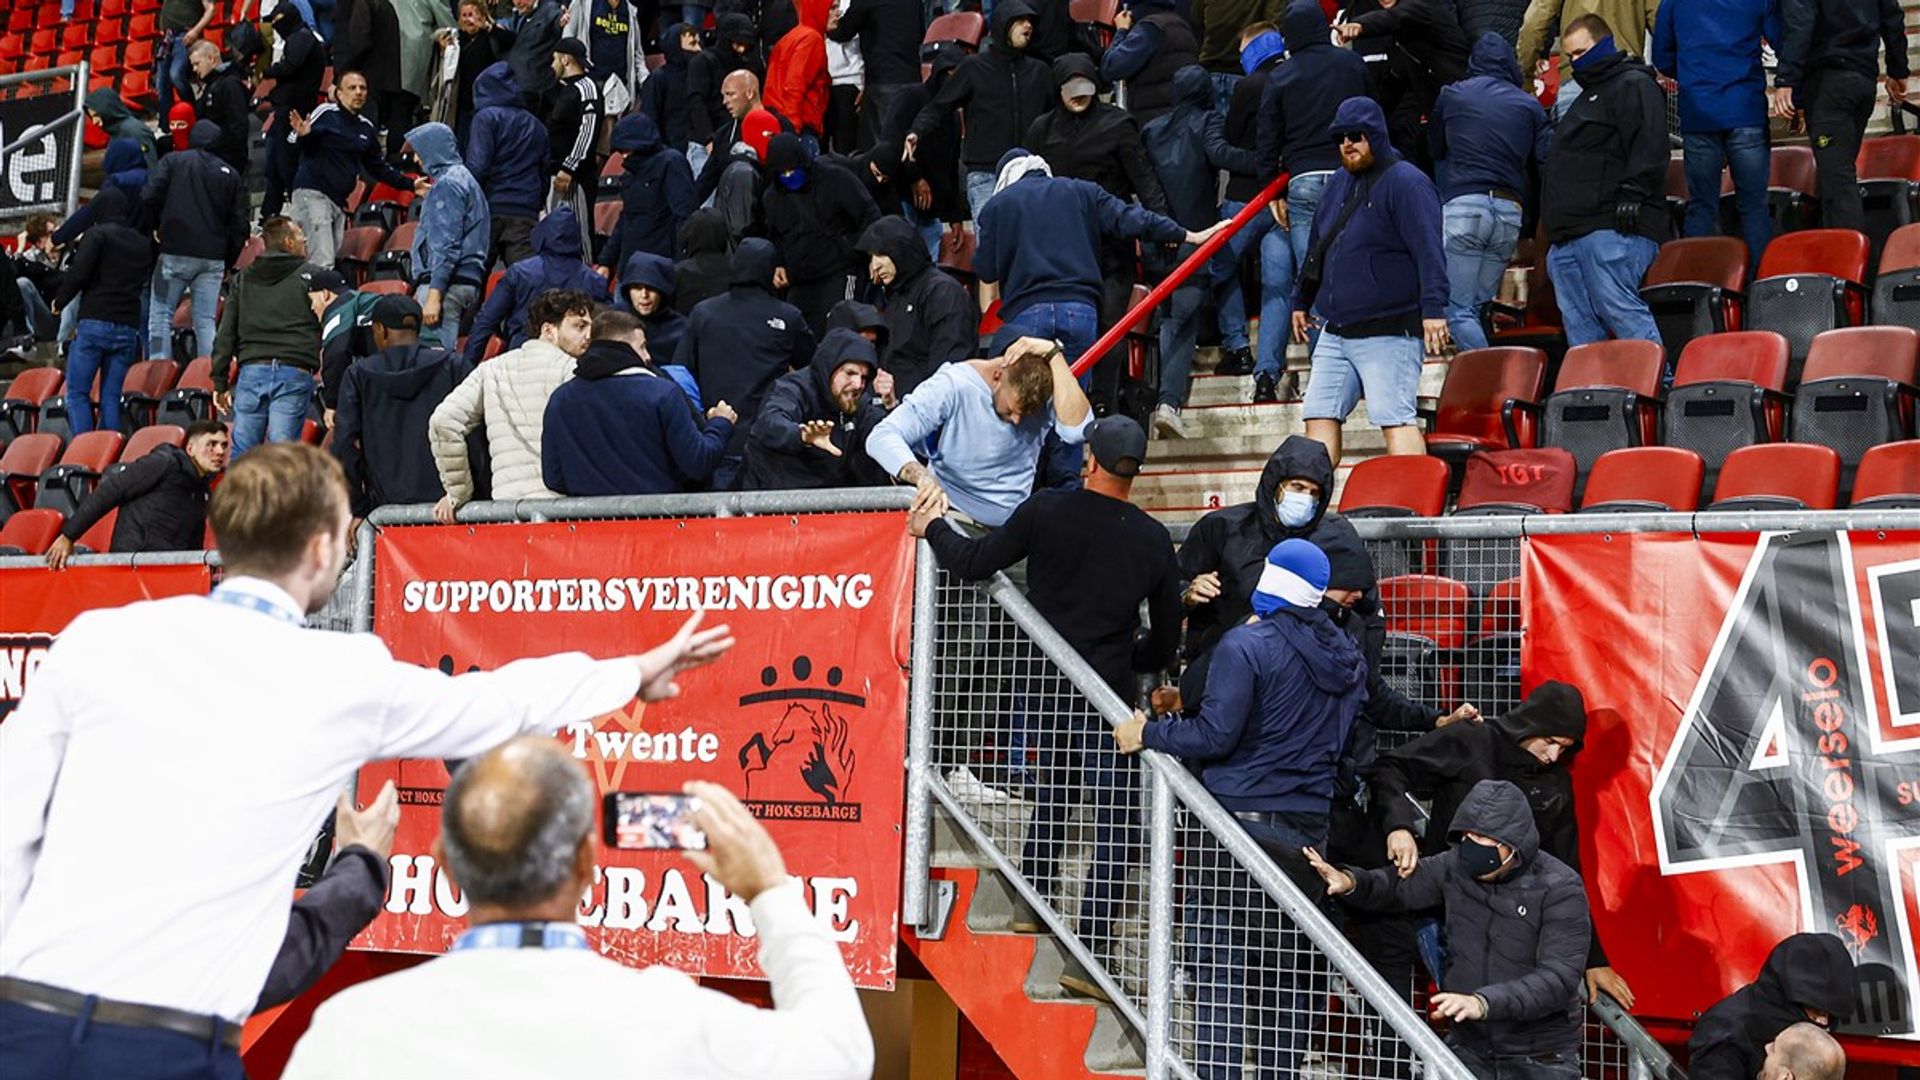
(1745, 152)
(697, 157)
(40, 319)
(269, 403)
(1276, 286)
(1481, 232)
(38, 1043)
(105, 349)
(927, 225)
(1303, 199)
(173, 75)
(173, 276)
(1074, 761)
(1179, 336)
(1568, 94)
(1385, 370)
(1596, 279)
(1241, 979)
(1485, 1066)
(979, 190)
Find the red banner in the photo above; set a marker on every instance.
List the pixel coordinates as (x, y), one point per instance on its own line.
(805, 719)
(37, 603)
(1752, 762)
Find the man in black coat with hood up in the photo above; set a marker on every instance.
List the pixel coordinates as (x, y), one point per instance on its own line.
(1000, 91)
(815, 211)
(931, 319)
(1518, 927)
(1807, 977)
(736, 344)
(812, 428)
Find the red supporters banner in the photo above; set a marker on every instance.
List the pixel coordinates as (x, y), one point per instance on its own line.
(37, 603)
(1752, 760)
(805, 719)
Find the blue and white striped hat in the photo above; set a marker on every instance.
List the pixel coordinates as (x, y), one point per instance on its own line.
(1295, 576)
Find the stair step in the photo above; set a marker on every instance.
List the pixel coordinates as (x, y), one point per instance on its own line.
(994, 901)
(1115, 1048)
(952, 847)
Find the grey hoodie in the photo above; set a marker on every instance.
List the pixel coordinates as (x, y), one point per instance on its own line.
(455, 213)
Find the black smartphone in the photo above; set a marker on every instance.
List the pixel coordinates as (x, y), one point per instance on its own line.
(651, 821)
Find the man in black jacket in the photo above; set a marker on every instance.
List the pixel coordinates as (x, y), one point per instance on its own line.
(296, 88)
(199, 203)
(1827, 63)
(999, 92)
(931, 320)
(815, 212)
(386, 399)
(573, 136)
(162, 498)
(1427, 50)
(1153, 42)
(109, 272)
(812, 428)
(536, 26)
(1518, 928)
(223, 99)
(1603, 190)
(736, 344)
(1807, 978)
(889, 32)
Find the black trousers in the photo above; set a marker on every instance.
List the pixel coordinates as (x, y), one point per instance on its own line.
(510, 241)
(396, 109)
(843, 119)
(1838, 102)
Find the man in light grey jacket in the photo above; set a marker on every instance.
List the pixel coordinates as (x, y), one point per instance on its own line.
(508, 394)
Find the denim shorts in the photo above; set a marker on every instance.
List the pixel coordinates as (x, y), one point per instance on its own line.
(1385, 370)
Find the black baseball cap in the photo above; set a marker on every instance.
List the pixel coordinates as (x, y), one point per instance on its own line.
(396, 311)
(1118, 444)
(573, 47)
(320, 279)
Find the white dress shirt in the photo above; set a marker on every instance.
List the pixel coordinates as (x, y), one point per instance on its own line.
(518, 1013)
(172, 760)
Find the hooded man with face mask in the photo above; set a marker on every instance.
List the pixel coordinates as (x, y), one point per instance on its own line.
(815, 211)
(1807, 978)
(1518, 925)
(999, 92)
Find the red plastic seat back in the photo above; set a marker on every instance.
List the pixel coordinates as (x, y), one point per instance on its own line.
(151, 438)
(1791, 167)
(1878, 352)
(1417, 485)
(1677, 178)
(361, 243)
(99, 539)
(1803, 471)
(32, 531)
(198, 376)
(1889, 157)
(94, 450)
(1630, 365)
(30, 455)
(401, 239)
(1755, 356)
(1840, 253)
(36, 385)
(1888, 469)
(151, 378)
(1479, 382)
(965, 27)
(1902, 250)
(1431, 606)
(1666, 475)
(1542, 478)
(387, 285)
(1707, 260)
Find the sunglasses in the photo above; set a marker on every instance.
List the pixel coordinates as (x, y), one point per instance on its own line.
(1353, 136)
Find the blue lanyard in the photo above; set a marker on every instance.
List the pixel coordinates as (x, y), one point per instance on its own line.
(256, 603)
(522, 935)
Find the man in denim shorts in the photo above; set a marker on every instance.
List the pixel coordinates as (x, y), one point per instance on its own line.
(1374, 281)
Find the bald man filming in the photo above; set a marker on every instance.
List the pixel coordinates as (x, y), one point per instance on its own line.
(151, 822)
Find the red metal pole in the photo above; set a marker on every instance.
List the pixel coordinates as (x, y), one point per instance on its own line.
(1185, 270)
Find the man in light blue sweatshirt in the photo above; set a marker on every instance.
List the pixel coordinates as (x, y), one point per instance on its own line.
(984, 421)
(450, 244)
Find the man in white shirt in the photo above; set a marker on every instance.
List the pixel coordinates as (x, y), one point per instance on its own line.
(153, 813)
(523, 994)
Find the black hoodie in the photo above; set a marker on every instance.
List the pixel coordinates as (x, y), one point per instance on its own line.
(1101, 144)
(162, 499)
(112, 266)
(303, 64)
(706, 70)
(1234, 541)
(705, 266)
(380, 432)
(1001, 91)
(1296, 115)
(776, 457)
(224, 99)
(815, 225)
(937, 161)
(664, 95)
(738, 343)
(198, 200)
(1803, 971)
(889, 33)
(932, 321)
(1518, 941)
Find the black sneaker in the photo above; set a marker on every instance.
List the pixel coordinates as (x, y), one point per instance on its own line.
(1236, 362)
(1266, 389)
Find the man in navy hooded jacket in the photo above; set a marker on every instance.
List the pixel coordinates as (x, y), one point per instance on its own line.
(1282, 697)
(557, 263)
(1380, 298)
(507, 151)
(656, 193)
(1484, 132)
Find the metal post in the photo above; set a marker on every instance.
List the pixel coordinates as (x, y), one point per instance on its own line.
(1159, 927)
(79, 141)
(363, 579)
(917, 862)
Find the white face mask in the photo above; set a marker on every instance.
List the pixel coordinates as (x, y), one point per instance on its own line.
(1295, 509)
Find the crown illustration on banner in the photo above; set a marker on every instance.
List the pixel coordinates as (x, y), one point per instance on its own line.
(802, 674)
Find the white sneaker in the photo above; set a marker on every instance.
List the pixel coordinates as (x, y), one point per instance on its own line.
(970, 788)
(1166, 423)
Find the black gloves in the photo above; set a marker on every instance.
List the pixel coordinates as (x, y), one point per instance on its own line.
(1626, 217)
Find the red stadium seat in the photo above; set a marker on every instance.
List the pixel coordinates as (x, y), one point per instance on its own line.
(147, 383)
(1896, 290)
(76, 35)
(1778, 476)
(1535, 326)
(1608, 397)
(31, 532)
(1858, 391)
(1644, 479)
(21, 465)
(1888, 477)
(1791, 182)
(13, 46)
(606, 216)
(151, 438)
(191, 399)
(87, 457)
(1889, 173)
(387, 286)
(142, 28)
(1695, 287)
(396, 258)
(1396, 486)
(249, 251)
(492, 280)
(357, 248)
(20, 409)
(105, 60)
(111, 32)
(1498, 482)
(45, 42)
(139, 55)
(964, 27)
(1726, 394)
(99, 539)
(136, 85)
(1490, 401)
(1426, 622)
(1808, 282)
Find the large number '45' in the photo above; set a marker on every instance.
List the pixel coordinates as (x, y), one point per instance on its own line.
(1780, 756)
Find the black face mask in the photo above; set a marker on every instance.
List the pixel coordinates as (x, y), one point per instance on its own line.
(1477, 859)
(1338, 612)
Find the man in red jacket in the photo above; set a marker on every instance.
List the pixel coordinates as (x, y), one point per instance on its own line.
(797, 81)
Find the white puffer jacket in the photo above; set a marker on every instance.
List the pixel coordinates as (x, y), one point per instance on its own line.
(509, 395)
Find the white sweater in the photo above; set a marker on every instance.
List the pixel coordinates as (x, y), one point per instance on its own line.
(509, 395)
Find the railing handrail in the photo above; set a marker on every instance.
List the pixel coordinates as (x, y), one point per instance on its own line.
(1697, 523)
(1188, 267)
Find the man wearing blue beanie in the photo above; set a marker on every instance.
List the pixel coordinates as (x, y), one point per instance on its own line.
(1282, 695)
